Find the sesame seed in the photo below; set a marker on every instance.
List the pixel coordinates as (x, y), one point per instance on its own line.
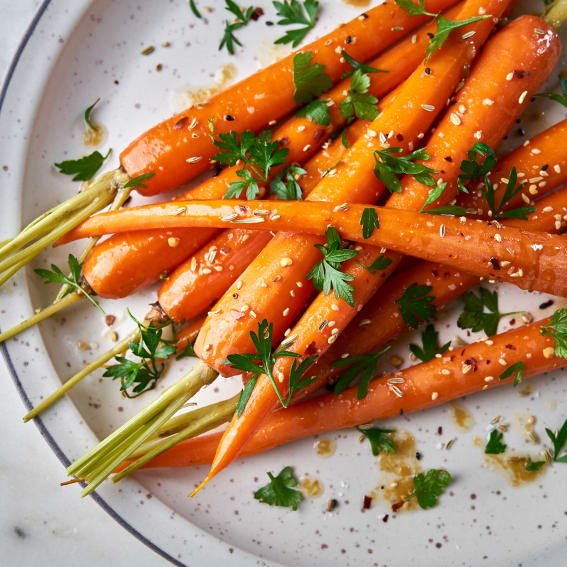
(262, 212)
(535, 151)
(442, 231)
(414, 38)
(280, 376)
(284, 262)
(487, 102)
(285, 312)
(332, 339)
(208, 347)
(502, 362)
(445, 372)
(173, 242)
(239, 284)
(194, 159)
(510, 76)
(307, 147)
(322, 325)
(218, 268)
(332, 323)
(468, 34)
(428, 107)
(275, 217)
(478, 134)
(207, 271)
(557, 168)
(193, 264)
(548, 352)
(434, 395)
(272, 122)
(194, 123)
(523, 97)
(455, 119)
(396, 390)
(466, 368)
(335, 331)
(179, 211)
(229, 218)
(244, 308)
(334, 307)
(539, 31)
(370, 133)
(365, 322)
(299, 284)
(343, 207)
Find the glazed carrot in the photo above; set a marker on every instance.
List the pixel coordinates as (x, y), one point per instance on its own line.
(255, 101)
(541, 162)
(425, 385)
(189, 333)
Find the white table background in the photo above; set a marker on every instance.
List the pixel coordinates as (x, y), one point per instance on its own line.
(40, 523)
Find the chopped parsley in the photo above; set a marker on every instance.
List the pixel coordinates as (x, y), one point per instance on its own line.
(434, 194)
(326, 274)
(474, 316)
(558, 441)
(242, 18)
(473, 169)
(138, 181)
(73, 281)
(358, 65)
(369, 221)
(363, 365)
(379, 439)
(358, 103)
(512, 189)
(87, 116)
(388, 166)
(288, 190)
(416, 305)
(516, 370)
(429, 486)
(292, 13)
(560, 98)
(533, 466)
(263, 361)
(379, 264)
(83, 169)
(280, 491)
(258, 154)
(557, 329)
(430, 340)
(194, 9)
(495, 446)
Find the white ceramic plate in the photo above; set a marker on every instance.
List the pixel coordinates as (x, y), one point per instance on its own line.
(77, 51)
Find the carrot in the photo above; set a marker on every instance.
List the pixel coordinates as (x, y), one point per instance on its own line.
(255, 101)
(541, 162)
(189, 334)
(112, 268)
(413, 389)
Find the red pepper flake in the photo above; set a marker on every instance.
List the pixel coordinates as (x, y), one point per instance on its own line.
(257, 13)
(109, 320)
(180, 123)
(367, 502)
(396, 506)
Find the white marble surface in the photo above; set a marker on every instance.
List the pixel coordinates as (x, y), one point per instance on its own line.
(41, 523)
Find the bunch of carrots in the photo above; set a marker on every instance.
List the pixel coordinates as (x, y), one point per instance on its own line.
(377, 202)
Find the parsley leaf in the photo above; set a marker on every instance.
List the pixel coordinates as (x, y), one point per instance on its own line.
(475, 318)
(533, 466)
(358, 65)
(388, 166)
(187, 352)
(242, 18)
(357, 102)
(429, 338)
(83, 168)
(263, 362)
(363, 365)
(558, 442)
(380, 440)
(73, 281)
(142, 375)
(290, 190)
(495, 446)
(518, 369)
(429, 486)
(245, 395)
(472, 169)
(414, 9)
(509, 193)
(326, 274)
(292, 12)
(557, 329)
(280, 490)
(434, 194)
(416, 305)
(381, 263)
(194, 9)
(310, 80)
(444, 28)
(560, 98)
(87, 116)
(138, 181)
(317, 111)
(258, 153)
(369, 221)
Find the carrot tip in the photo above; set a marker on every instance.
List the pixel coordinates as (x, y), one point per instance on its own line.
(207, 478)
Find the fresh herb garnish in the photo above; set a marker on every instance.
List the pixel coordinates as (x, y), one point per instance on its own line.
(87, 116)
(434, 194)
(258, 154)
(83, 168)
(187, 352)
(558, 442)
(381, 263)
(416, 305)
(263, 361)
(149, 349)
(560, 98)
(288, 190)
(517, 369)
(429, 486)
(242, 18)
(138, 181)
(245, 395)
(310, 81)
(358, 65)
(358, 102)
(533, 466)
(473, 169)
(73, 281)
(280, 490)
(388, 166)
(194, 9)
(429, 339)
(557, 329)
(293, 13)
(326, 274)
(379, 439)
(509, 193)
(475, 318)
(444, 26)
(369, 221)
(363, 365)
(495, 446)
(344, 139)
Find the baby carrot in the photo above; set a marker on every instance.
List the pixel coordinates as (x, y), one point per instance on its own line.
(413, 389)
(253, 102)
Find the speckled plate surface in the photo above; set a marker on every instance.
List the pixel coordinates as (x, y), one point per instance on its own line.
(77, 51)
